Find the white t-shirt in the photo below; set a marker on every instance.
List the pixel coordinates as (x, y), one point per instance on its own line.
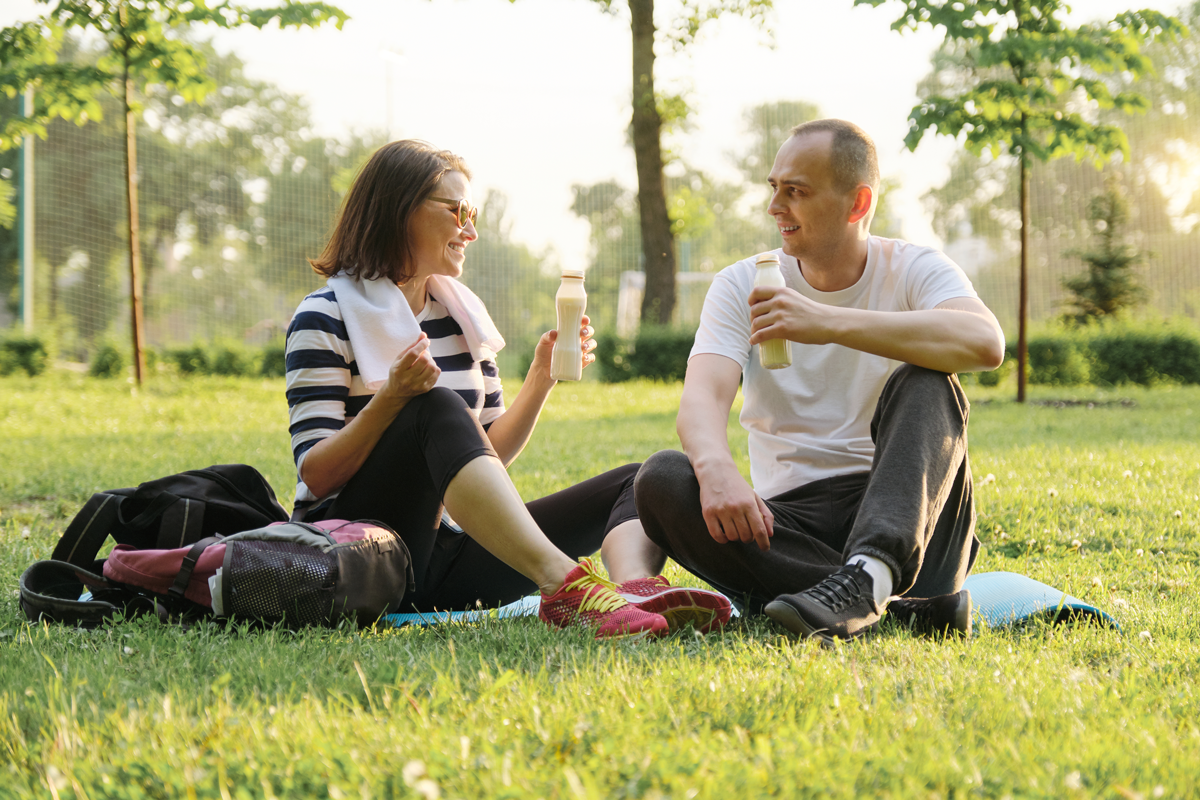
(812, 420)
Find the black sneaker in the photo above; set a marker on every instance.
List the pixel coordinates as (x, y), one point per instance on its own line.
(840, 607)
(934, 616)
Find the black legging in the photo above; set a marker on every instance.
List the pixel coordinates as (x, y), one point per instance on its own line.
(403, 481)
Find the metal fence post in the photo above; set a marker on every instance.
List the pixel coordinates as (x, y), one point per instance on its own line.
(25, 236)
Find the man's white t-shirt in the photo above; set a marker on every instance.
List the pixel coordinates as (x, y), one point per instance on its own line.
(812, 420)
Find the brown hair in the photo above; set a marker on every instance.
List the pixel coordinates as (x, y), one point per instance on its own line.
(853, 153)
(371, 239)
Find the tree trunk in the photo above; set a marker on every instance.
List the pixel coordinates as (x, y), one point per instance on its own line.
(1023, 301)
(658, 244)
(135, 250)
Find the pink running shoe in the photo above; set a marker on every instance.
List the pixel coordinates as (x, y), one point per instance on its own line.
(587, 599)
(706, 610)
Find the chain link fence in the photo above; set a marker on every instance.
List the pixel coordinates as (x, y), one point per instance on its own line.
(237, 192)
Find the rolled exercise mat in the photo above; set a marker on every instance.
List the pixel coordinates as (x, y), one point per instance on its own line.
(1005, 598)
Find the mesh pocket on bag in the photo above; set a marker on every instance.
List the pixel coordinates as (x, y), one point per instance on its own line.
(277, 580)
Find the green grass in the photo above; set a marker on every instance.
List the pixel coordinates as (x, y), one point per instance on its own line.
(512, 709)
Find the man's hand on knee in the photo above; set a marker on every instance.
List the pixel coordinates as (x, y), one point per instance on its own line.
(734, 512)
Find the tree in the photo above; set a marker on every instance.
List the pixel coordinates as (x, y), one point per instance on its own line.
(1036, 78)
(142, 48)
(651, 111)
(1108, 286)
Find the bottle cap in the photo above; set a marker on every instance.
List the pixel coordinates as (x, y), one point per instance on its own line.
(572, 273)
(767, 258)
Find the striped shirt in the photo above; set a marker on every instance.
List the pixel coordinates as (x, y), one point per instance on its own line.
(325, 391)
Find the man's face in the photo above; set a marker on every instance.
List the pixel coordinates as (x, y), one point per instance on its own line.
(812, 213)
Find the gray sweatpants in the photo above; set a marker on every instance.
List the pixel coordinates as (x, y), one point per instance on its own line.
(913, 510)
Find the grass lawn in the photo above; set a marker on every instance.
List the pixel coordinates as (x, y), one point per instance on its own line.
(1103, 502)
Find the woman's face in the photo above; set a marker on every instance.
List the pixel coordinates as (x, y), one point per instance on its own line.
(438, 244)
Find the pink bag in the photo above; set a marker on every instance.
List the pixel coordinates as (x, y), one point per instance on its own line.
(281, 562)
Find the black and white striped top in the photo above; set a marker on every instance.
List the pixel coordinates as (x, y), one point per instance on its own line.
(325, 391)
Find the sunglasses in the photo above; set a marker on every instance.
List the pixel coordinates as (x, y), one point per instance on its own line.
(462, 209)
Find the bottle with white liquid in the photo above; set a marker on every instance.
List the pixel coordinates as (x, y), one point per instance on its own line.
(773, 353)
(566, 361)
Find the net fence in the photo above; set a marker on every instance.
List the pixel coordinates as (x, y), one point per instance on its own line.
(236, 192)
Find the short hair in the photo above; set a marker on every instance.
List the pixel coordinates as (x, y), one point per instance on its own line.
(371, 238)
(853, 153)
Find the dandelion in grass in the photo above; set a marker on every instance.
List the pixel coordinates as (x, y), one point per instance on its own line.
(1052, 492)
(1128, 473)
(1178, 514)
(989, 478)
(1145, 635)
(413, 771)
(1076, 544)
(1097, 582)
(1073, 780)
(1139, 552)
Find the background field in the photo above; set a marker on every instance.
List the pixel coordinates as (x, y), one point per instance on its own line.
(1101, 500)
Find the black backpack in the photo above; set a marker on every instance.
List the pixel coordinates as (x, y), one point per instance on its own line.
(163, 514)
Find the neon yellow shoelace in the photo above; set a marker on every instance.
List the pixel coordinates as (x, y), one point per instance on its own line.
(599, 594)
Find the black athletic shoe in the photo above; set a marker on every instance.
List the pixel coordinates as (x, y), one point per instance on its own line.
(934, 616)
(840, 607)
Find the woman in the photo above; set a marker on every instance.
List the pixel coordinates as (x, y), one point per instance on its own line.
(396, 410)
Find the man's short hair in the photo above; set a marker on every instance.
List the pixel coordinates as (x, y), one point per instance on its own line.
(854, 159)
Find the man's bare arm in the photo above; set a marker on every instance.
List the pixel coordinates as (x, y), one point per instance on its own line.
(732, 510)
(960, 335)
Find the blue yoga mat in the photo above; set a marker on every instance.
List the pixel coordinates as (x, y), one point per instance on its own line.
(1005, 598)
(999, 598)
(525, 607)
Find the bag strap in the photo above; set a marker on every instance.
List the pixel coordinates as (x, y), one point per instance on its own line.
(157, 505)
(50, 590)
(189, 565)
(182, 522)
(84, 537)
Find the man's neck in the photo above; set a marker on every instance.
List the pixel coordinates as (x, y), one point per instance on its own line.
(836, 269)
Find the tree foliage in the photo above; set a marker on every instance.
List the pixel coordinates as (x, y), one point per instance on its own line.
(141, 47)
(1031, 88)
(1108, 286)
(654, 112)
(1034, 75)
(141, 39)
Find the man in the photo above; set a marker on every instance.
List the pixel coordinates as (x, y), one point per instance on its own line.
(858, 450)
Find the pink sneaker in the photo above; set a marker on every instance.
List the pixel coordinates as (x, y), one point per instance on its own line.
(587, 599)
(706, 610)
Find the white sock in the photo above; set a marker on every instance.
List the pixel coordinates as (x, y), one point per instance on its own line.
(880, 573)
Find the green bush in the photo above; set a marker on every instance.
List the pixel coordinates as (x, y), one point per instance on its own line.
(8, 362)
(1058, 361)
(1146, 357)
(661, 353)
(612, 358)
(108, 362)
(23, 352)
(274, 360)
(232, 360)
(1108, 354)
(190, 360)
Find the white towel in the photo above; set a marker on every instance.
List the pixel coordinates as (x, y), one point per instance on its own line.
(381, 325)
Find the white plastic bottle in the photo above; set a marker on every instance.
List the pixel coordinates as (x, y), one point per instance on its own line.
(773, 353)
(566, 361)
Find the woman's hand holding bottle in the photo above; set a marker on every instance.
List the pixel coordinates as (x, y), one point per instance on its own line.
(543, 352)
